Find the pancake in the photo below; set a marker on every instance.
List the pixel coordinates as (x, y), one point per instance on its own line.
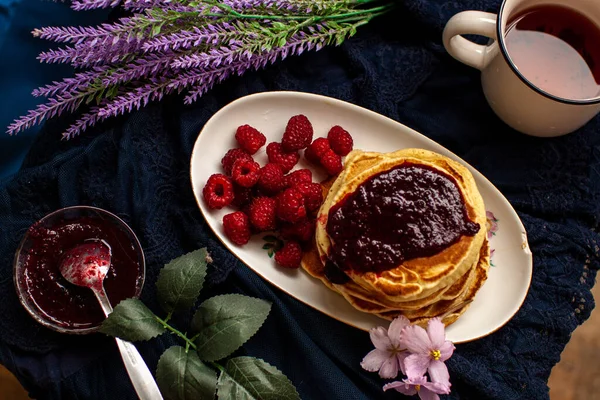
(448, 309)
(421, 287)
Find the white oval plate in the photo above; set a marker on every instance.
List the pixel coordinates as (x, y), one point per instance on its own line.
(509, 277)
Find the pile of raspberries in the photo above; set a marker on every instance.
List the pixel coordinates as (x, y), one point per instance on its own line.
(271, 197)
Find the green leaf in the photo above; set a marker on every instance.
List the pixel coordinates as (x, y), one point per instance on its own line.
(352, 31)
(180, 281)
(281, 41)
(252, 378)
(278, 25)
(278, 245)
(226, 322)
(271, 253)
(112, 92)
(131, 320)
(267, 246)
(270, 238)
(182, 376)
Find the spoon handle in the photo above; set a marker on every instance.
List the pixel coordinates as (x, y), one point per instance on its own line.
(139, 374)
(141, 377)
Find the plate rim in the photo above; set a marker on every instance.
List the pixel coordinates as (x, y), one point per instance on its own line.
(410, 131)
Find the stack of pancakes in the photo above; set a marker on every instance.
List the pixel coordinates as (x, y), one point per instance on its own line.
(441, 285)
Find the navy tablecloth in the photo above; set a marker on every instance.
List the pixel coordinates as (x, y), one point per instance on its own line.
(138, 167)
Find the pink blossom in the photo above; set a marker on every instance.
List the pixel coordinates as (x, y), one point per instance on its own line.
(429, 349)
(491, 224)
(420, 385)
(388, 355)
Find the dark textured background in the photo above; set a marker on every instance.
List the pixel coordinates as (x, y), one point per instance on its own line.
(138, 167)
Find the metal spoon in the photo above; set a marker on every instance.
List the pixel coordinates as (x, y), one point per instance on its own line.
(87, 265)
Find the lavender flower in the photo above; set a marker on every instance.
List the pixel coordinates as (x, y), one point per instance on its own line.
(241, 62)
(145, 4)
(244, 5)
(213, 58)
(54, 106)
(138, 97)
(148, 66)
(71, 85)
(212, 34)
(111, 50)
(126, 27)
(88, 119)
(79, 5)
(176, 45)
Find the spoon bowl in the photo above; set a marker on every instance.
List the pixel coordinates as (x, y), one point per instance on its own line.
(87, 264)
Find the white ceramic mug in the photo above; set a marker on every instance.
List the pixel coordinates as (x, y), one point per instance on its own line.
(516, 100)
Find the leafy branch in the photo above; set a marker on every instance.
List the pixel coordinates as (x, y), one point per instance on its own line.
(219, 327)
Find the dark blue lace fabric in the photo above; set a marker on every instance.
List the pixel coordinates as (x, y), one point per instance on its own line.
(138, 167)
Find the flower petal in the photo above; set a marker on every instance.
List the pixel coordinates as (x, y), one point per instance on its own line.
(415, 339)
(374, 360)
(401, 357)
(395, 329)
(437, 387)
(389, 369)
(401, 387)
(416, 365)
(446, 350)
(419, 380)
(436, 333)
(380, 339)
(426, 394)
(438, 373)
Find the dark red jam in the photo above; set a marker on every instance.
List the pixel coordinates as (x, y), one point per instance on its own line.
(406, 212)
(63, 303)
(334, 274)
(87, 264)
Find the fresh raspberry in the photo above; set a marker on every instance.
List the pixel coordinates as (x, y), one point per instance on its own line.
(271, 180)
(232, 156)
(286, 161)
(290, 255)
(340, 140)
(262, 213)
(332, 163)
(241, 196)
(245, 172)
(302, 231)
(298, 134)
(312, 193)
(250, 139)
(290, 207)
(316, 150)
(237, 227)
(218, 191)
(298, 176)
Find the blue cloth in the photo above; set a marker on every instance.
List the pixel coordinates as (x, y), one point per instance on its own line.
(21, 72)
(138, 167)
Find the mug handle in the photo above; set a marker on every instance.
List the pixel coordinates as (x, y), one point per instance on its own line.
(464, 23)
